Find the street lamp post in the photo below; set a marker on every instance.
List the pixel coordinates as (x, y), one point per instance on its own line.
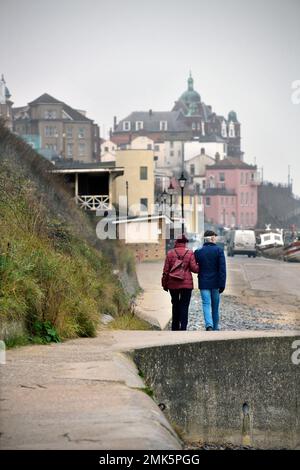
(182, 181)
(171, 192)
(127, 207)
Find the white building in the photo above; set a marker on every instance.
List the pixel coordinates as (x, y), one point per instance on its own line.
(196, 168)
(108, 151)
(194, 148)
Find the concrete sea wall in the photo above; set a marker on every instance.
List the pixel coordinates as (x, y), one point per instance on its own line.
(244, 391)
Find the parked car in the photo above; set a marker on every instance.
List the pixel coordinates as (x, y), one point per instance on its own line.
(241, 242)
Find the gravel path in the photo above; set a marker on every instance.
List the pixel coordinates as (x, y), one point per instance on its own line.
(235, 315)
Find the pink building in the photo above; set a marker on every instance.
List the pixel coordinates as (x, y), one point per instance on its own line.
(231, 194)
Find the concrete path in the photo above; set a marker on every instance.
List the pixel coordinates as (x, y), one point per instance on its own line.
(86, 393)
(154, 303)
(81, 394)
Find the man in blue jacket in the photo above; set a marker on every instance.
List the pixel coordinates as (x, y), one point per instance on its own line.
(212, 278)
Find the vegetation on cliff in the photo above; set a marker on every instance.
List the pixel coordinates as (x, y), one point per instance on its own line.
(55, 276)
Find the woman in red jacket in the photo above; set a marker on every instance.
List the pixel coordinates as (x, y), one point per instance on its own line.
(177, 278)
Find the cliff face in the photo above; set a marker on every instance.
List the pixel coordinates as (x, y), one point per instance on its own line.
(277, 206)
(54, 274)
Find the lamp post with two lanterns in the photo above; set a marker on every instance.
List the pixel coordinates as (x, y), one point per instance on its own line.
(182, 180)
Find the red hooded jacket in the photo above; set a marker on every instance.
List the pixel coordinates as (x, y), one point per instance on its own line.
(189, 266)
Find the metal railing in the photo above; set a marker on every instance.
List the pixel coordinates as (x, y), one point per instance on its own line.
(93, 203)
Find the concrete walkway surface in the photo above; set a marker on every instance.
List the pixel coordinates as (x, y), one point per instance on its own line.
(87, 394)
(81, 394)
(153, 304)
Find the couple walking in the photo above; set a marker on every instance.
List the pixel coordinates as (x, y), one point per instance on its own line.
(209, 263)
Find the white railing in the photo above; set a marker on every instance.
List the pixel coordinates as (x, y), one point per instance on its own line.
(93, 203)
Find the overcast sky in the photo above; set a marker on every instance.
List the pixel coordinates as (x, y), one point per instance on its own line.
(114, 57)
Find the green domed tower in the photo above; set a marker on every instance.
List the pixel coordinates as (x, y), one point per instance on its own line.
(190, 95)
(232, 116)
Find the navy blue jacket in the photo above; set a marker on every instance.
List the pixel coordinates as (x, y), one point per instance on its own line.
(212, 266)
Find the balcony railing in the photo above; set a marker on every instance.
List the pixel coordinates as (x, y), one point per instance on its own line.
(93, 203)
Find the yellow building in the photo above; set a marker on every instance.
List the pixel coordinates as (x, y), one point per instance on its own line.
(135, 188)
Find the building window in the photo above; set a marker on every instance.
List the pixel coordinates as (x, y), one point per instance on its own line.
(143, 172)
(69, 132)
(51, 131)
(138, 125)
(149, 146)
(207, 201)
(163, 125)
(224, 129)
(246, 199)
(156, 148)
(203, 184)
(211, 182)
(251, 199)
(81, 149)
(222, 201)
(193, 126)
(247, 178)
(144, 204)
(172, 153)
(221, 177)
(242, 178)
(126, 126)
(95, 147)
(69, 150)
(231, 129)
(171, 144)
(81, 133)
(242, 199)
(198, 126)
(192, 170)
(51, 147)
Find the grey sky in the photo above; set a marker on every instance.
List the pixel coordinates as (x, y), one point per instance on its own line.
(112, 58)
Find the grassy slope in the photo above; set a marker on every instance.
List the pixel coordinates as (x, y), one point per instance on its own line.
(53, 271)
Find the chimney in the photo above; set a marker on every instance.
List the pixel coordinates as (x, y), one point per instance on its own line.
(115, 123)
(217, 157)
(150, 112)
(202, 151)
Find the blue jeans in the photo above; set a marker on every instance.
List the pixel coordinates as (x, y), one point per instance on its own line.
(210, 304)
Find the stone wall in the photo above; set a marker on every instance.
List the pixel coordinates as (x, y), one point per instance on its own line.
(241, 391)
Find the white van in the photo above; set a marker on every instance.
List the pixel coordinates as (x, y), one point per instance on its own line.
(241, 242)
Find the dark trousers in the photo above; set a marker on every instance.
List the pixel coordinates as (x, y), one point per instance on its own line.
(180, 308)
